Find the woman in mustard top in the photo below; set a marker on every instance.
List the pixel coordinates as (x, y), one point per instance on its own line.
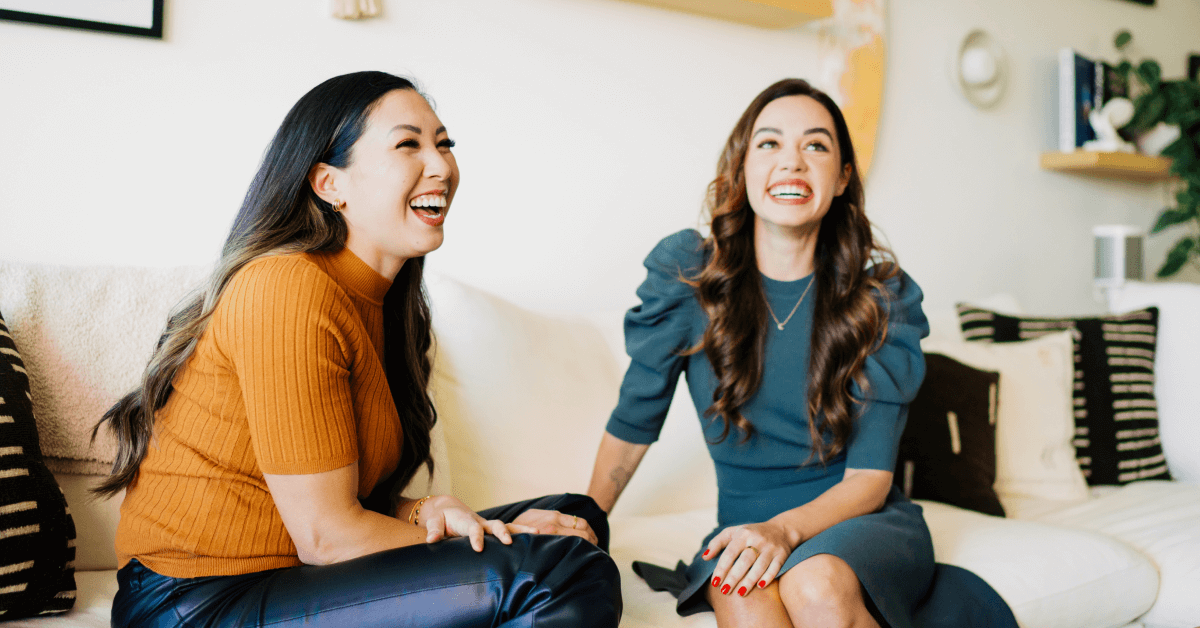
(285, 409)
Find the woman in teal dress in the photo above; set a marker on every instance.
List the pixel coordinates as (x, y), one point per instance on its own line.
(800, 339)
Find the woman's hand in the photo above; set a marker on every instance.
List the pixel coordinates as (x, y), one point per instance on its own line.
(751, 556)
(554, 522)
(444, 516)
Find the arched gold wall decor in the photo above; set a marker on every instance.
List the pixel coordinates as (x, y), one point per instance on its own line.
(853, 59)
(852, 50)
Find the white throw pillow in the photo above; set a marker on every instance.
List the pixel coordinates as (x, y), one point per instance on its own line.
(1176, 369)
(1035, 423)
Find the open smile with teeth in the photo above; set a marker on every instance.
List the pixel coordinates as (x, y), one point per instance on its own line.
(790, 191)
(429, 204)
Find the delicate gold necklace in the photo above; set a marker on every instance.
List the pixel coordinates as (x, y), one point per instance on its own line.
(794, 307)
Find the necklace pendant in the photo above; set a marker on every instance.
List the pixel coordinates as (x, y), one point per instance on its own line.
(780, 326)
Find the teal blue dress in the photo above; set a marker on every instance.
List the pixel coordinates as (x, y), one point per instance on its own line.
(890, 551)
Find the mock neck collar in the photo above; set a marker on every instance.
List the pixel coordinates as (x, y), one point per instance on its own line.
(356, 275)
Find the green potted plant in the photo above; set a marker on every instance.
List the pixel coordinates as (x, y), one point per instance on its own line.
(1177, 103)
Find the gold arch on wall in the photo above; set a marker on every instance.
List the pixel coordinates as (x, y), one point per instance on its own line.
(853, 57)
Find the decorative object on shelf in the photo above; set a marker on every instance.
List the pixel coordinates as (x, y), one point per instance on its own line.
(1171, 103)
(980, 69)
(356, 9)
(1119, 259)
(143, 18)
(1105, 121)
(1076, 99)
(1153, 142)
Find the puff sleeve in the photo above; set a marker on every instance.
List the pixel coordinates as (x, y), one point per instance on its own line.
(894, 374)
(656, 333)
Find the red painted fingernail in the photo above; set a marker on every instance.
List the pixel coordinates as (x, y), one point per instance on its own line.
(705, 553)
(762, 584)
(716, 582)
(725, 590)
(742, 591)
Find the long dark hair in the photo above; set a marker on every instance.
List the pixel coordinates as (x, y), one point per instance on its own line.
(849, 322)
(281, 214)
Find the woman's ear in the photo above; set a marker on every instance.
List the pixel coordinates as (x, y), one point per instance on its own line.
(323, 179)
(844, 180)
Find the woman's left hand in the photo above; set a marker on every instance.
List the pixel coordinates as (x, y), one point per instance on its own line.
(751, 556)
(554, 522)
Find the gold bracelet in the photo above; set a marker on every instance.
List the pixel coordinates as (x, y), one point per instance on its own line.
(414, 516)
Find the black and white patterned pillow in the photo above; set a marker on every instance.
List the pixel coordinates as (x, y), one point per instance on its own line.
(1116, 416)
(37, 533)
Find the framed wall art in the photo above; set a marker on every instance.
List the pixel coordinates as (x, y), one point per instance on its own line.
(143, 18)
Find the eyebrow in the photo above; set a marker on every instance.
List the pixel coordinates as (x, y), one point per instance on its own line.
(769, 129)
(415, 129)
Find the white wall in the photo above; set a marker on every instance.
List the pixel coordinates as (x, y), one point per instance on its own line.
(587, 130)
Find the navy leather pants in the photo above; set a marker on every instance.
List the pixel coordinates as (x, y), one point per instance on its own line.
(539, 581)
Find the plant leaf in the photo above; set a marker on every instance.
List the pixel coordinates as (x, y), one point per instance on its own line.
(1122, 39)
(1171, 217)
(1150, 109)
(1177, 257)
(1150, 73)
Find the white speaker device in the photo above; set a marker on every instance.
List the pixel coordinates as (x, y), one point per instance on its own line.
(1118, 257)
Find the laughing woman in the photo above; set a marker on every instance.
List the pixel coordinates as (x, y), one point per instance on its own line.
(285, 408)
(800, 340)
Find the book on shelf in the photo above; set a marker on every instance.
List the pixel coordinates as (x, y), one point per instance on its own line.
(1076, 99)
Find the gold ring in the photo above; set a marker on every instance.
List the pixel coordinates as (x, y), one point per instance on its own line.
(751, 547)
(575, 522)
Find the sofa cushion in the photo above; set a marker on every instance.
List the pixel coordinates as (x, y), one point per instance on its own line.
(87, 333)
(1116, 417)
(37, 534)
(93, 606)
(1051, 576)
(523, 397)
(1176, 369)
(948, 450)
(1034, 427)
(1162, 521)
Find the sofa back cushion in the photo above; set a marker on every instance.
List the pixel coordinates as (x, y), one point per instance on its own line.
(523, 397)
(87, 333)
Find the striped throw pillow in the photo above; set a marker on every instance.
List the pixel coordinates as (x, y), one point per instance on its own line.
(37, 533)
(1116, 416)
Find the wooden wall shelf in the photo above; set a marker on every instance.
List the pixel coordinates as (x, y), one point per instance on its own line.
(1111, 165)
(777, 14)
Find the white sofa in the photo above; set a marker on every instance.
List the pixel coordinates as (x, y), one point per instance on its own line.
(523, 398)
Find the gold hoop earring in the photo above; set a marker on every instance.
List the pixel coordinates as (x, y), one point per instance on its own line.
(338, 205)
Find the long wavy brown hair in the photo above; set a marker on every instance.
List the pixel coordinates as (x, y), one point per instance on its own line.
(849, 321)
(281, 214)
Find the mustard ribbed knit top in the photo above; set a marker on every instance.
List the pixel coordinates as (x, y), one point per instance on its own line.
(287, 379)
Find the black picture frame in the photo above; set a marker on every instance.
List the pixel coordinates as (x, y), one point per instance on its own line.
(58, 13)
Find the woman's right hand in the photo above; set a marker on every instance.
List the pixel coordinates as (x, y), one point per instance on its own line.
(444, 516)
